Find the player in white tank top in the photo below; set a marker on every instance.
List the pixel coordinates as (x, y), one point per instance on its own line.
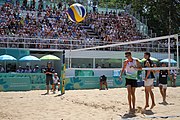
(131, 71)
(131, 66)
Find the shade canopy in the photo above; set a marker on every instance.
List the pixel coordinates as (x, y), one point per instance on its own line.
(49, 57)
(29, 58)
(151, 58)
(167, 61)
(7, 57)
(114, 61)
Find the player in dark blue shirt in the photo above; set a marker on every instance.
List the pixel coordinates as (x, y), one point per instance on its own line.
(149, 80)
(163, 76)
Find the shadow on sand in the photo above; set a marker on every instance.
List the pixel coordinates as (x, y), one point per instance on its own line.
(128, 115)
(59, 95)
(148, 112)
(165, 103)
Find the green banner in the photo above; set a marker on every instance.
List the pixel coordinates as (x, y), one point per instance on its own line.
(90, 83)
(14, 84)
(84, 73)
(22, 81)
(36, 81)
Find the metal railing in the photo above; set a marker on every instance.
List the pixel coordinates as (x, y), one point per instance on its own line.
(40, 43)
(67, 44)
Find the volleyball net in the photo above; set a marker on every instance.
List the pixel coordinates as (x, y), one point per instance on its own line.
(163, 50)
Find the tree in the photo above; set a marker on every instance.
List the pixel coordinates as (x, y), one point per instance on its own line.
(111, 3)
(163, 15)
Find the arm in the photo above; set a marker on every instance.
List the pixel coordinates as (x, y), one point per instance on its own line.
(157, 71)
(50, 72)
(59, 80)
(148, 73)
(169, 74)
(124, 66)
(47, 72)
(139, 67)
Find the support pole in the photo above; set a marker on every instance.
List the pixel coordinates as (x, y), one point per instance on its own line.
(63, 73)
(177, 44)
(169, 52)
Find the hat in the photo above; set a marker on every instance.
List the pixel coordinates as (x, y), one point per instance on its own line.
(49, 62)
(103, 75)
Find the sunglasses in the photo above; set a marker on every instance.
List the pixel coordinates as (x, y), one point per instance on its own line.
(127, 55)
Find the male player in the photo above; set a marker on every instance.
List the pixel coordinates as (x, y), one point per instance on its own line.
(131, 67)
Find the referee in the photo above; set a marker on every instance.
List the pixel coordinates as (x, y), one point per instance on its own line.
(49, 71)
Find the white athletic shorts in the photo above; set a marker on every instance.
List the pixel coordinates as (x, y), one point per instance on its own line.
(149, 82)
(164, 86)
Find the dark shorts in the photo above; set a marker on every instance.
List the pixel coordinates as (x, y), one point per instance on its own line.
(103, 82)
(131, 82)
(162, 80)
(49, 80)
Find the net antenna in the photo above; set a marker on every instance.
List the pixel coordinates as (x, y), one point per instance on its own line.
(168, 40)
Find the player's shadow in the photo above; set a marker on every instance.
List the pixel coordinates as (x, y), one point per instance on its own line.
(59, 95)
(44, 94)
(128, 115)
(148, 112)
(165, 103)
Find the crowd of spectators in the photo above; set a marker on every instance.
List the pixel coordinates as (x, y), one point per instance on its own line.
(51, 22)
(27, 69)
(24, 21)
(114, 28)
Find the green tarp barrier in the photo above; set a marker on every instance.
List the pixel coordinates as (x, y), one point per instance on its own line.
(84, 73)
(36, 81)
(75, 83)
(14, 84)
(22, 81)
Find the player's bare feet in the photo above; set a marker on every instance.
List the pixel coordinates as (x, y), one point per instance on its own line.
(165, 103)
(152, 106)
(146, 106)
(132, 111)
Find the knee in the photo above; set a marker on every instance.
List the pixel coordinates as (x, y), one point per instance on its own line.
(129, 94)
(151, 92)
(132, 94)
(161, 90)
(146, 90)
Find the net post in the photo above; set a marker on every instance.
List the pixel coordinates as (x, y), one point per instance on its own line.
(177, 52)
(94, 62)
(63, 73)
(169, 52)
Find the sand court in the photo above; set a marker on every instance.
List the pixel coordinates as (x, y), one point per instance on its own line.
(86, 105)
